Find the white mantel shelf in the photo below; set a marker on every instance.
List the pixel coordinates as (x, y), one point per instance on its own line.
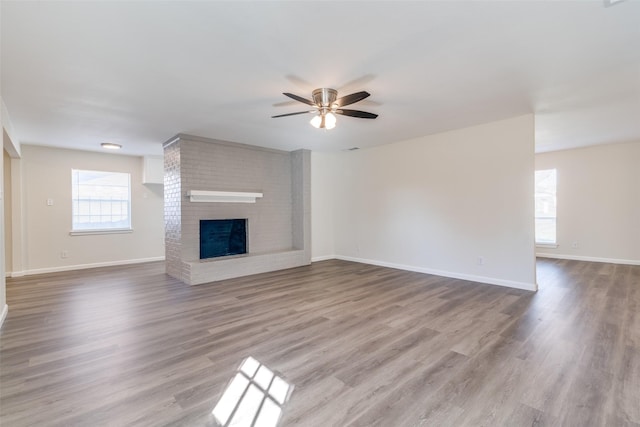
(222, 196)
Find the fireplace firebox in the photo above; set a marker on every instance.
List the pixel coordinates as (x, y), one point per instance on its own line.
(223, 237)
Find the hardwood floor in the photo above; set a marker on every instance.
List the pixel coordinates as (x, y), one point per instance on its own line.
(363, 346)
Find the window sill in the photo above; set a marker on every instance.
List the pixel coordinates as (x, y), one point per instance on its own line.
(547, 245)
(106, 231)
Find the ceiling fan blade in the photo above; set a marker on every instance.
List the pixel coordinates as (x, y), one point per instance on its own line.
(350, 99)
(356, 113)
(287, 103)
(299, 98)
(292, 114)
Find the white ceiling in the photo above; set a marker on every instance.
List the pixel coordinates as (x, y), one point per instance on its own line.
(75, 74)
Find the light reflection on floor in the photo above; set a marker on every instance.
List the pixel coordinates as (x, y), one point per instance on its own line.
(254, 397)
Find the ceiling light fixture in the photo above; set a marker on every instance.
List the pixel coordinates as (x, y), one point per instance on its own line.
(111, 146)
(316, 121)
(325, 99)
(328, 105)
(324, 120)
(329, 120)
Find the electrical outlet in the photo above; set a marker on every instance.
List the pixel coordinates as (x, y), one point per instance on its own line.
(574, 245)
(480, 260)
(49, 202)
(64, 253)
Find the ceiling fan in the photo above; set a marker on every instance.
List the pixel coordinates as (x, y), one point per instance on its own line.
(327, 105)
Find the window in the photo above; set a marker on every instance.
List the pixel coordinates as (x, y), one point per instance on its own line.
(545, 193)
(101, 200)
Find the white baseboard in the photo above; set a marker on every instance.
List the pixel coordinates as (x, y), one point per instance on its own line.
(473, 278)
(323, 258)
(589, 258)
(3, 316)
(84, 266)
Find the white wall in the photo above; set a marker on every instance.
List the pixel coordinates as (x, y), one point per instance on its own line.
(4, 308)
(322, 210)
(46, 174)
(12, 146)
(598, 192)
(6, 176)
(435, 204)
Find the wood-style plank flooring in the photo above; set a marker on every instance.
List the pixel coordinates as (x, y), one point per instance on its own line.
(363, 346)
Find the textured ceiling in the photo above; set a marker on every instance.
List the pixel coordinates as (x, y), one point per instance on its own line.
(75, 74)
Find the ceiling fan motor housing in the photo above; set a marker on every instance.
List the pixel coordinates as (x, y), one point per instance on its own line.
(325, 97)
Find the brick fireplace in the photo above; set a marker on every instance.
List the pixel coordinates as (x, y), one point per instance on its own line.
(279, 226)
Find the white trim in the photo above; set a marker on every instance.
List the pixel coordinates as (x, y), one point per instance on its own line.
(323, 258)
(5, 311)
(547, 245)
(222, 196)
(470, 277)
(84, 266)
(100, 231)
(589, 258)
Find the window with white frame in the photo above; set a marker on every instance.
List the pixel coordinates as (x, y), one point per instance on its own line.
(101, 200)
(545, 193)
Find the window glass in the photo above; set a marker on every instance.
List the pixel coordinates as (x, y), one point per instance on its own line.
(100, 200)
(545, 193)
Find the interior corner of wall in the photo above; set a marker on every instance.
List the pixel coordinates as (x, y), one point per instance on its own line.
(10, 140)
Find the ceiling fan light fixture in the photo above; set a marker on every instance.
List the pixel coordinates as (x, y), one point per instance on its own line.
(329, 120)
(316, 121)
(324, 121)
(328, 105)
